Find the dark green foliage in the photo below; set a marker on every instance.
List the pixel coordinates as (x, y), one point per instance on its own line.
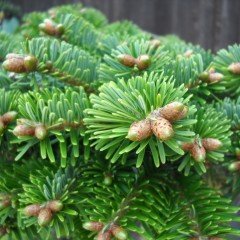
(109, 128)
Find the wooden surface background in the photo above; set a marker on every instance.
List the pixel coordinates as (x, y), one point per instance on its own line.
(211, 23)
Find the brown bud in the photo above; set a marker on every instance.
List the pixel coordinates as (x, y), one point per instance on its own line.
(140, 130)
(14, 65)
(174, 111)
(5, 201)
(19, 63)
(211, 70)
(49, 65)
(40, 132)
(155, 43)
(211, 144)
(143, 62)
(24, 130)
(234, 68)
(188, 53)
(198, 152)
(204, 76)
(30, 63)
(184, 113)
(118, 232)
(126, 60)
(162, 128)
(215, 77)
(51, 28)
(44, 217)
(235, 166)
(47, 26)
(187, 146)
(32, 210)
(55, 205)
(104, 236)
(60, 29)
(9, 117)
(93, 226)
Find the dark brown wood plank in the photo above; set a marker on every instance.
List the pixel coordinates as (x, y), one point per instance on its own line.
(211, 23)
(226, 24)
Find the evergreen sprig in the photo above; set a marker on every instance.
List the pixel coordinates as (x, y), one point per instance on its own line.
(208, 127)
(188, 71)
(109, 132)
(79, 32)
(58, 187)
(223, 62)
(120, 104)
(52, 117)
(112, 68)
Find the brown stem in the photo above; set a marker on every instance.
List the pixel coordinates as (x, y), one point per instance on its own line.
(62, 126)
(69, 80)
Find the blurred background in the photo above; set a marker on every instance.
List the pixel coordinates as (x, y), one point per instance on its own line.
(213, 24)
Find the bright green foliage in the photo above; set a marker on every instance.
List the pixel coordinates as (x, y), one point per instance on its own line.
(7, 44)
(187, 70)
(79, 32)
(221, 63)
(231, 108)
(57, 186)
(64, 62)
(123, 28)
(29, 28)
(95, 17)
(12, 179)
(120, 104)
(208, 126)
(112, 69)
(109, 129)
(112, 40)
(179, 48)
(61, 113)
(8, 100)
